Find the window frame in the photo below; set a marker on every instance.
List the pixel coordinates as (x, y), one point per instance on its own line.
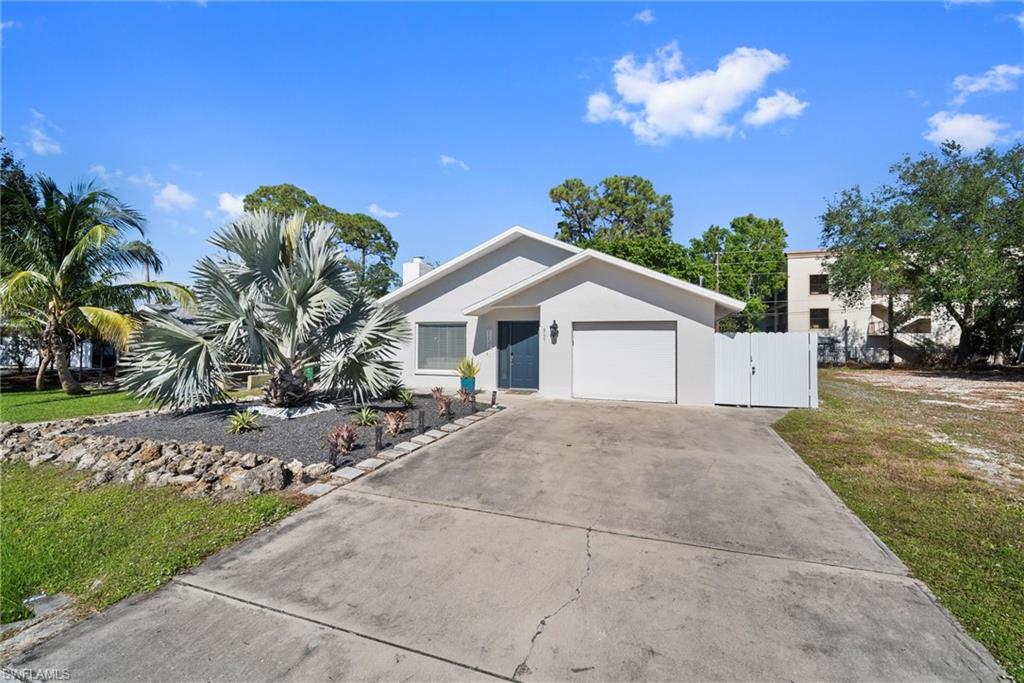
(416, 347)
(810, 319)
(810, 284)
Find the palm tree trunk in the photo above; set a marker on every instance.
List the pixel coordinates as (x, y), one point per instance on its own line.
(44, 362)
(55, 338)
(68, 383)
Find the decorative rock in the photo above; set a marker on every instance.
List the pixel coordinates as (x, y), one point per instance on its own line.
(151, 451)
(72, 455)
(320, 469)
(423, 439)
(87, 461)
(232, 478)
(296, 469)
(406, 446)
(370, 464)
(198, 468)
(450, 427)
(248, 460)
(347, 474)
(437, 434)
(317, 490)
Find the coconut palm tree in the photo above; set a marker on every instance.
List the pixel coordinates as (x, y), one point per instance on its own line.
(279, 299)
(65, 269)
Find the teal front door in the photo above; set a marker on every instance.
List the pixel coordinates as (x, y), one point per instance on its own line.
(519, 354)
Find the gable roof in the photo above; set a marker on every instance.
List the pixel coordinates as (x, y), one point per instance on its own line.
(487, 247)
(726, 302)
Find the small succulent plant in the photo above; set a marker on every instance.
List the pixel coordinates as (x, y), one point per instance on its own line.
(243, 421)
(340, 441)
(366, 417)
(407, 398)
(395, 421)
(444, 406)
(465, 396)
(468, 367)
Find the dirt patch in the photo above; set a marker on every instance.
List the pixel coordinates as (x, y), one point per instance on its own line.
(971, 391)
(991, 465)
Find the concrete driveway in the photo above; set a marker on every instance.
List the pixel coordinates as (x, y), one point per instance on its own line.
(554, 541)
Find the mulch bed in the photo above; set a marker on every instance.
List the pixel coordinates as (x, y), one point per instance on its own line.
(301, 438)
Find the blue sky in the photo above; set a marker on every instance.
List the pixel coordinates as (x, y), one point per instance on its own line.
(454, 120)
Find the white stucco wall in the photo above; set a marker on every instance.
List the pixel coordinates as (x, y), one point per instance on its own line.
(445, 299)
(800, 266)
(599, 292)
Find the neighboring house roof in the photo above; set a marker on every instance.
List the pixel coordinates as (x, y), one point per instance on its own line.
(184, 316)
(726, 302)
(487, 247)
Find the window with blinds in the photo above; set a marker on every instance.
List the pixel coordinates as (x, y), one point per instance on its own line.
(441, 345)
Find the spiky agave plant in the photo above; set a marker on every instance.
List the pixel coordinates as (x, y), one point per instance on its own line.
(280, 299)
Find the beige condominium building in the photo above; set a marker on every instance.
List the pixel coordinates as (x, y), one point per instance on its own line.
(849, 332)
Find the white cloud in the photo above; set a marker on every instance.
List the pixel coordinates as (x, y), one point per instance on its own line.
(972, 131)
(659, 100)
(1019, 18)
(644, 17)
(381, 212)
(447, 160)
(38, 137)
(781, 105)
(146, 180)
(105, 174)
(230, 204)
(4, 25)
(172, 197)
(1001, 78)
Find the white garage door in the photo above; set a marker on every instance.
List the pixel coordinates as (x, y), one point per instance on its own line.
(627, 361)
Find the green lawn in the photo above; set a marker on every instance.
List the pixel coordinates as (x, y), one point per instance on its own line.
(110, 542)
(54, 404)
(961, 535)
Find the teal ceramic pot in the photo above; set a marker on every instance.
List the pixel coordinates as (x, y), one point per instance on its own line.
(468, 383)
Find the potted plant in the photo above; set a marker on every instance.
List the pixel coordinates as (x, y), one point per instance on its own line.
(468, 370)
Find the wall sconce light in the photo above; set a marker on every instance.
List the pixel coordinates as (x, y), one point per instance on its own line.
(554, 331)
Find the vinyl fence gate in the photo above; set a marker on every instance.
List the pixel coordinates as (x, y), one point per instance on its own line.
(772, 369)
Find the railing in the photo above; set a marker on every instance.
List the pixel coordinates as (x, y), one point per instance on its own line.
(878, 329)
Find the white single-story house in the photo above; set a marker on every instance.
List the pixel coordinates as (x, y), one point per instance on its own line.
(537, 313)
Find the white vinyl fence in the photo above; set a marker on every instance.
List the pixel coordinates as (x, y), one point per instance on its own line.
(774, 369)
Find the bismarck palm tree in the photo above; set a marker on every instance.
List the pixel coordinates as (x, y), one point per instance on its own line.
(65, 269)
(280, 300)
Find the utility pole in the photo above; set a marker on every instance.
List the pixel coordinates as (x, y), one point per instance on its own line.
(718, 271)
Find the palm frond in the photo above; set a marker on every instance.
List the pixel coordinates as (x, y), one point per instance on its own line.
(173, 365)
(111, 326)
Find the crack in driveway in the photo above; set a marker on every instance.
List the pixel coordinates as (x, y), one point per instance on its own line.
(523, 669)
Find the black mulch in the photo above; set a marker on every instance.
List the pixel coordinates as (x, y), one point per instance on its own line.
(301, 438)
